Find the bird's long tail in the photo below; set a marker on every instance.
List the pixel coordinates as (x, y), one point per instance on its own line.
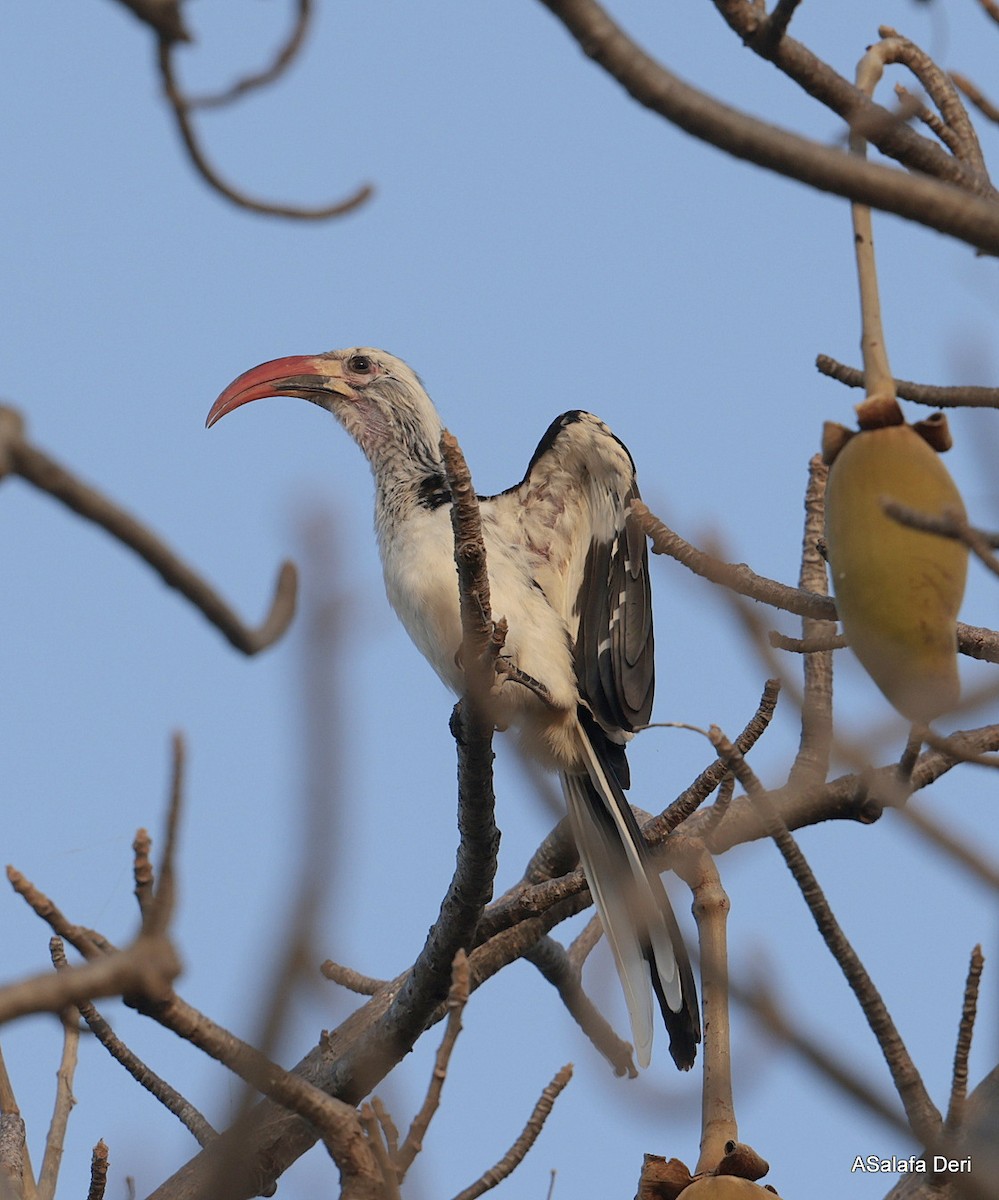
(634, 909)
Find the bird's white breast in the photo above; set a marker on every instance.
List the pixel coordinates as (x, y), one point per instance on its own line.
(422, 586)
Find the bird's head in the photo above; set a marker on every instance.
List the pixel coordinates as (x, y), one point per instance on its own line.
(377, 398)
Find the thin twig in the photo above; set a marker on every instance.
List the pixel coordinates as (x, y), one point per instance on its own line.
(966, 854)
(811, 763)
(922, 1113)
(354, 981)
(142, 870)
(689, 800)
(518, 1151)
(99, 1164)
(972, 640)
(180, 108)
(285, 56)
(816, 644)
(46, 474)
(457, 998)
(48, 1176)
(948, 524)
(559, 967)
(911, 106)
(963, 396)
(168, 1096)
(387, 1187)
(388, 1127)
(776, 24)
(976, 96)
(969, 1011)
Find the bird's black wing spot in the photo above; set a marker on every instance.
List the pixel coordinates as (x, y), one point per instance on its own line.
(432, 491)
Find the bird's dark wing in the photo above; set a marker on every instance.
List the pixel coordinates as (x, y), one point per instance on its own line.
(591, 560)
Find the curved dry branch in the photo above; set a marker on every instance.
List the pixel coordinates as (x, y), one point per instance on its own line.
(19, 457)
(285, 56)
(180, 106)
(962, 139)
(939, 205)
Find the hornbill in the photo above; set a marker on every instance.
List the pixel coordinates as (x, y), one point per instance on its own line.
(568, 569)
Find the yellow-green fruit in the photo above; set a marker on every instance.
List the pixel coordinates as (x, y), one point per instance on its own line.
(898, 590)
(724, 1187)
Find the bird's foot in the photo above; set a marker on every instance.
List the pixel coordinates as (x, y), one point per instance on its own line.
(506, 670)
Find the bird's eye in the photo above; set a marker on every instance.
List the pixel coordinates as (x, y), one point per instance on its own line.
(360, 363)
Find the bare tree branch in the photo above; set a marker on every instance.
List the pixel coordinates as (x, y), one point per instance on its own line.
(969, 1012)
(811, 763)
(922, 1113)
(963, 396)
(48, 1176)
(976, 96)
(562, 970)
(13, 1148)
(18, 456)
(878, 125)
(973, 640)
(939, 205)
(457, 998)
(168, 1096)
(518, 1151)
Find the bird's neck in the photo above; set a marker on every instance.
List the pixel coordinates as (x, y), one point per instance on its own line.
(409, 474)
(401, 441)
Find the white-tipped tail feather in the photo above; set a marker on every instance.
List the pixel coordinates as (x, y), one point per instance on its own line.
(634, 909)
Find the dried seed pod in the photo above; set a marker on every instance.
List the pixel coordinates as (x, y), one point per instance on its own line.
(898, 590)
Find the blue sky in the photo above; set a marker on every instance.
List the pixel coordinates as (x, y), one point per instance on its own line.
(536, 243)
